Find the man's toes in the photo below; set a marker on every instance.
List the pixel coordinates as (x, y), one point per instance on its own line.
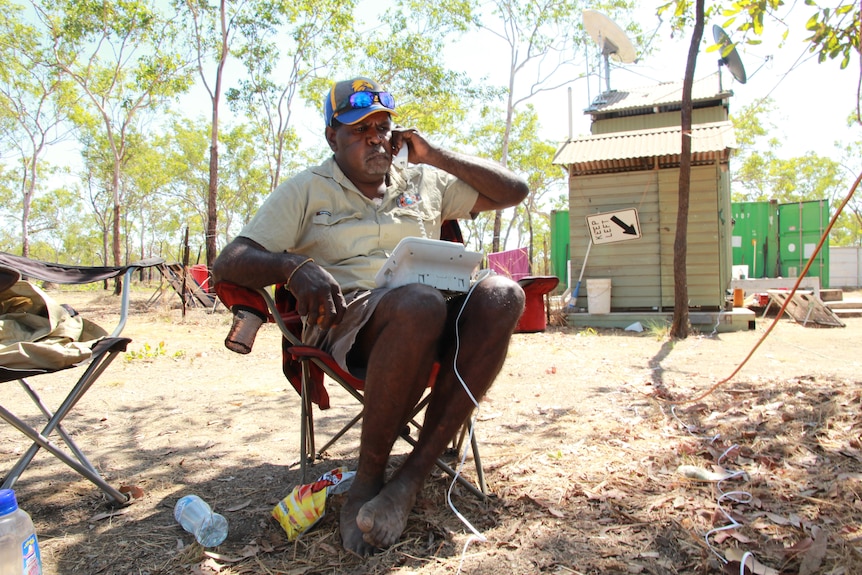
(360, 548)
(381, 540)
(365, 519)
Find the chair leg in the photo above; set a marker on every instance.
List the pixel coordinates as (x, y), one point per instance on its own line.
(447, 469)
(343, 430)
(44, 442)
(70, 443)
(306, 427)
(83, 465)
(482, 491)
(477, 460)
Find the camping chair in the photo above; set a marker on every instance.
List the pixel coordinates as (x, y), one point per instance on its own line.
(104, 351)
(304, 366)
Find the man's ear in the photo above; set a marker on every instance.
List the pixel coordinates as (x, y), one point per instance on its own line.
(330, 138)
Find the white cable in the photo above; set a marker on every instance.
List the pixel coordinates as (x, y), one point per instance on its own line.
(735, 496)
(476, 536)
(717, 322)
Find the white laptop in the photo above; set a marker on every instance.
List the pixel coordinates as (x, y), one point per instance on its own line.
(447, 266)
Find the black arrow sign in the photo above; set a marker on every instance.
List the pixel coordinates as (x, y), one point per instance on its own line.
(627, 229)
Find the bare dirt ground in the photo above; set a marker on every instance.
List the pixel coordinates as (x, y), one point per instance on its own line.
(585, 460)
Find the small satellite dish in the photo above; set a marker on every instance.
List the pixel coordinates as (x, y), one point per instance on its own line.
(611, 39)
(729, 55)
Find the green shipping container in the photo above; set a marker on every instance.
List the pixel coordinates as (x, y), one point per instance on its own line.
(560, 253)
(801, 225)
(776, 240)
(754, 240)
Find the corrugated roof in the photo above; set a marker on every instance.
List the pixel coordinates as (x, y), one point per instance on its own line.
(714, 137)
(708, 88)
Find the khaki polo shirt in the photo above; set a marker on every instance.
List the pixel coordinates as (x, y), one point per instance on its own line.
(321, 214)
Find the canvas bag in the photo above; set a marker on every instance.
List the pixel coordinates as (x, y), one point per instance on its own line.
(38, 333)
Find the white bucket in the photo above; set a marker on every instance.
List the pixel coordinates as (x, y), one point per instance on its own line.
(599, 295)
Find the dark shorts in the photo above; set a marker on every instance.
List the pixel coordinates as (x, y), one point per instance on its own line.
(339, 340)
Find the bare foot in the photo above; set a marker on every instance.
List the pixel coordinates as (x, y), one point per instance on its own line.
(351, 535)
(382, 520)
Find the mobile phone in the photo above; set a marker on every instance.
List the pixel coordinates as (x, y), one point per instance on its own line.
(400, 160)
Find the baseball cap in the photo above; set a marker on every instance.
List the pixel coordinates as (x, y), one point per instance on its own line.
(349, 101)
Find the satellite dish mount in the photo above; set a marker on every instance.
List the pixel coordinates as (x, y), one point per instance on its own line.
(611, 40)
(729, 56)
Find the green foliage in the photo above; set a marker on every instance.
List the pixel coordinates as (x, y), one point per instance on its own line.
(123, 59)
(835, 31)
(35, 102)
(271, 84)
(150, 353)
(528, 156)
(761, 174)
(147, 352)
(244, 178)
(658, 330)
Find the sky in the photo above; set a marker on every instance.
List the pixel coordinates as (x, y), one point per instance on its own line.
(812, 100)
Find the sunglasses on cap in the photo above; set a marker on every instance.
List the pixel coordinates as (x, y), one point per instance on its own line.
(358, 100)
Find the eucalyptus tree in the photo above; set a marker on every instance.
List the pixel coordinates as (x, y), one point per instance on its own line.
(680, 325)
(151, 217)
(62, 230)
(183, 153)
(96, 177)
(405, 49)
(529, 155)
(125, 61)
(35, 102)
(245, 178)
(285, 51)
(214, 29)
(834, 32)
(540, 39)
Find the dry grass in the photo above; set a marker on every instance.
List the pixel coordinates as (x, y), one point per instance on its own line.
(582, 458)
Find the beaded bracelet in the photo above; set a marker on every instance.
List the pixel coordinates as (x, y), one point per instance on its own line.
(290, 277)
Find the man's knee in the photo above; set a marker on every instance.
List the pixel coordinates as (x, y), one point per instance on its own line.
(418, 304)
(502, 297)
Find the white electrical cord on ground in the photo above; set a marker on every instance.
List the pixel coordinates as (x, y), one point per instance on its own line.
(476, 536)
(735, 496)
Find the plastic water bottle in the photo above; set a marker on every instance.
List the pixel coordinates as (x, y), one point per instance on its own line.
(196, 517)
(19, 549)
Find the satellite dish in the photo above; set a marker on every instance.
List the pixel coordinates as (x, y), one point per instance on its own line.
(729, 55)
(611, 39)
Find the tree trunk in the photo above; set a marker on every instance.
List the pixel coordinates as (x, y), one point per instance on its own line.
(680, 326)
(212, 198)
(212, 195)
(115, 246)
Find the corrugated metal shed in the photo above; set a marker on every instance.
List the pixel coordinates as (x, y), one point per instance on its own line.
(645, 149)
(641, 270)
(667, 94)
(631, 160)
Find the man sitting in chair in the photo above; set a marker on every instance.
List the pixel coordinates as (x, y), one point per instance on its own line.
(326, 232)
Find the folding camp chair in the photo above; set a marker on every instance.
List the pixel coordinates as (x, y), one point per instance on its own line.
(305, 366)
(105, 350)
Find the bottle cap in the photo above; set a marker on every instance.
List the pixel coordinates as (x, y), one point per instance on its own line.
(8, 503)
